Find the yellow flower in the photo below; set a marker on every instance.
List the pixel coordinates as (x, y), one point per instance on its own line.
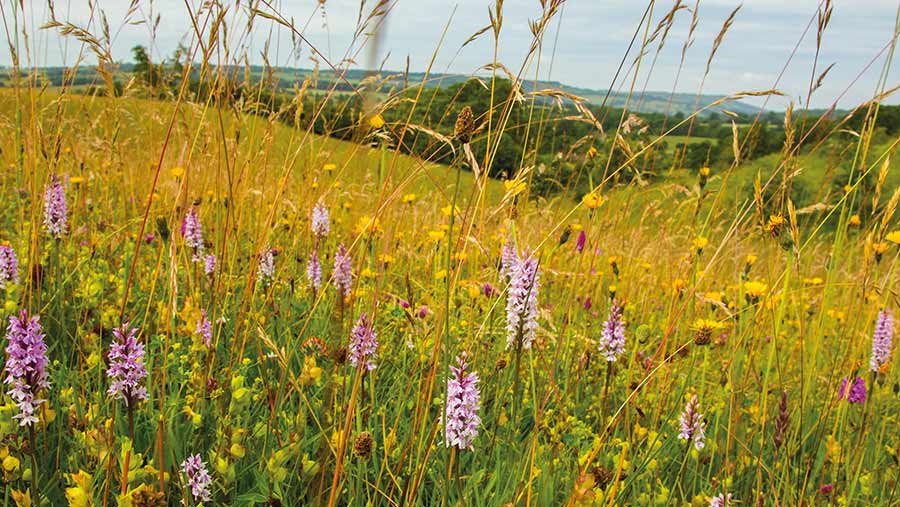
(893, 237)
(880, 248)
(311, 372)
(704, 171)
(22, 499)
(592, 200)
(79, 495)
(436, 236)
(514, 187)
(367, 224)
(10, 464)
(76, 180)
(440, 275)
(446, 210)
(773, 226)
(755, 289)
(708, 324)
(678, 285)
(386, 258)
(376, 122)
(700, 243)
(409, 198)
(855, 221)
(329, 167)
(591, 153)
(177, 172)
(751, 259)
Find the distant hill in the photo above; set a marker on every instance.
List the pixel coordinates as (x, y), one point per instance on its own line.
(288, 77)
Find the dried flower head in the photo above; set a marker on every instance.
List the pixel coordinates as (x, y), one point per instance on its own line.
(363, 445)
(465, 125)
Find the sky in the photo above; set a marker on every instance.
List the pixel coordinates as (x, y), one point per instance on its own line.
(583, 46)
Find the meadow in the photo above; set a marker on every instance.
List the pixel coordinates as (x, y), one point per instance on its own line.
(208, 303)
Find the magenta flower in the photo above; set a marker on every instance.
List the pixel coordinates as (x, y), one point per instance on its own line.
(204, 329)
(192, 232)
(693, 428)
(612, 339)
(363, 344)
(198, 479)
(9, 266)
(126, 366)
(582, 239)
(463, 402)
(488, 290)
(55, 213)
(857, 392)
(320, 223)
(26, 365)
(521, 303)
(343, 271)
(314, 271)
(265, 273)
(882, 341)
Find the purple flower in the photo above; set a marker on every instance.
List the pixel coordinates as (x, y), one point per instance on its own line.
(9, 266)
(463, 402)
(521, 303)
(723, 500)
(612, 339)
(422, 312)
(343, 271)
(508, 258)
(265, 273)
(582, 239)
(404, 304)
(587, 303)
(198, 478)
(204, 329)
(192, 232)
(320, 223)
(55, 214)
(26, 365)
(693, 429)
(826, 489)
(149, 238)
(487, 289)
(314, 271)
(209, 264)
(882, 341)
(363, 344)
(126, 366)
(857, 392)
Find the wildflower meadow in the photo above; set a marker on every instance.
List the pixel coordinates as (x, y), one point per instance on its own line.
(222, 283)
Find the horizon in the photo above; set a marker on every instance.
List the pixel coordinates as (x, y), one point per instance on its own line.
(328, 26)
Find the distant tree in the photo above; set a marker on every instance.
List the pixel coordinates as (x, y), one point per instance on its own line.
(144, 67)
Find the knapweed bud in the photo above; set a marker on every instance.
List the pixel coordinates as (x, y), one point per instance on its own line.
(465, 125)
